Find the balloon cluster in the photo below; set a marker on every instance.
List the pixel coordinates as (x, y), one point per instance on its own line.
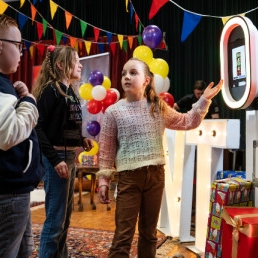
(99, 95)
(152, 36)
(98, 92)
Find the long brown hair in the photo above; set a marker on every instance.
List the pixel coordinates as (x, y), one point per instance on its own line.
(50, 72)
(157, 104)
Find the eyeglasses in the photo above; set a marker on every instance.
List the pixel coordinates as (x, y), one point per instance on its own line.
(19, 44)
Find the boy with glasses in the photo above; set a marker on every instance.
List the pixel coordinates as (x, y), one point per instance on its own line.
(20, 158)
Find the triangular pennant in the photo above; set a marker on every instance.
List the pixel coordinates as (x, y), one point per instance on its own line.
(41, 49)
(130, 41)
(22, 19)
(87, 46)
(120, 39)
(22, 3)
(64, 38)
(126, 5)
(83, 27)
(31, 49)
(113, 48)
(96, 33)
(155, 6)
(139, 39)
(58, 35)
(33, 12)
(225, 19)
(27, 44)
(53, 8)
(3, 6)
(35, 1)
(101, 47)
(73, 41)
(131, 11)
(68, 19)
(109, 37)
(136, 18)
(140, 29)
(44, 22)
(125, 45)
(39, 30)
(189, 24)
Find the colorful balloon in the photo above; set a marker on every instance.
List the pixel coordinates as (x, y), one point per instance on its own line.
(98, 92)
(94, 106)
(110, 99)
(92, 152)
(143, 53)
(96, 77)
(159, 66)
(167, 97)
(159, 83)
(106, 83)
(93, 128)
(152, 36)
(85, 91)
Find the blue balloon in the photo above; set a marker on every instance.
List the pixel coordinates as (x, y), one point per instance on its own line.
(96, 78)
(93, 128)
(152, 36)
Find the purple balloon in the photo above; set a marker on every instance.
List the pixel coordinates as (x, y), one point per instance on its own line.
(93, 128)
(152, 36)
(96, 78)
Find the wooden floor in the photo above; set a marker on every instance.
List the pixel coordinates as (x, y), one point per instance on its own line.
(101, 218)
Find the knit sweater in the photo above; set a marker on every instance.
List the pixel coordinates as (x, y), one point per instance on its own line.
(131, 138)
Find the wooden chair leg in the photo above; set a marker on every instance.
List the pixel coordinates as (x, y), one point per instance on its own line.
(80, 190)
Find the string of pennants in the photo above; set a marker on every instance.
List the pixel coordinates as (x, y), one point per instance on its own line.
(190, 22)
(123, 40)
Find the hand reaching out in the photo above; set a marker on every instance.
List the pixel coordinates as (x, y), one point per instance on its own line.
(211, 90)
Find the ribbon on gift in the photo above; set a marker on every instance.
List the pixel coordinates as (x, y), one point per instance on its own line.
(236, 223)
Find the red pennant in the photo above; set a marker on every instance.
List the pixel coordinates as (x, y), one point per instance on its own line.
(113, 47)
(155, 6)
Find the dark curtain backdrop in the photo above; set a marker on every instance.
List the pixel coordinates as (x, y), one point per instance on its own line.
(195, 58)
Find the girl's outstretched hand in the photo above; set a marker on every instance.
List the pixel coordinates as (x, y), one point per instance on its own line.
(211, 91)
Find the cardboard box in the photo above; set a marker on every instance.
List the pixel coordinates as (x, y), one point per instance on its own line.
(225, 192)
(240, 232)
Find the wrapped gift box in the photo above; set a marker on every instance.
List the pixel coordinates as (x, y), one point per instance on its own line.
(225, 192)
(240, 232)
(222, 174)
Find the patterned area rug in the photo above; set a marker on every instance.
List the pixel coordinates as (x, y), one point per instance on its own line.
(89, 243)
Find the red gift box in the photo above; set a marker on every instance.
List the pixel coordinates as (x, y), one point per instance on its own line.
(239, 232)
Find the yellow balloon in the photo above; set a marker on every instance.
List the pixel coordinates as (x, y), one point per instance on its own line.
(106, 83)
(94, 150)
(143, 53)
(159, 66)
(85, 91)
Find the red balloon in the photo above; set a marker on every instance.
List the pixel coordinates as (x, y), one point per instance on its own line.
(167, 97)
(94, 106)
(110, 99)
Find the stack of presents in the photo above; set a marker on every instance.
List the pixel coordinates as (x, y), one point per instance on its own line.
(232, 229)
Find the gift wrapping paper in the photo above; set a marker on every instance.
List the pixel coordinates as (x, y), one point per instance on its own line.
(225, 192)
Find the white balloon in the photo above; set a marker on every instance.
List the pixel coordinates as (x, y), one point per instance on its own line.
(159, 83)
(117, 93)
(166, 85)
(98, 92)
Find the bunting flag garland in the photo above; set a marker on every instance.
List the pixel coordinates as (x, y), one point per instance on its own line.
(189, 24)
